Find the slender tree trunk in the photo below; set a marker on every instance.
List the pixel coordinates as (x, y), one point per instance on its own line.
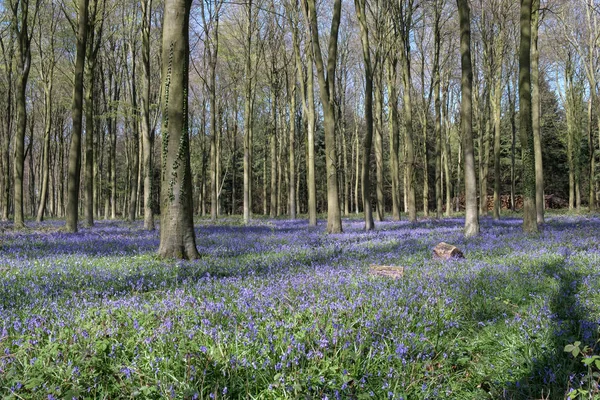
(496, 111)
(409, 170)
(438, 111)
(273, 153)
(535, 113)
(247, 207)
(46, 152)
(359, 5)
(89, 132)
(525, 125)
(8, 124)
(446, 148)
(513, 126)
(135, 142)
(214, 131)
(74, 171)
(292, 150)
(394, 133)
(327, 86)
(471, 214)
(311, 118)
(378, 120)
(147, 133)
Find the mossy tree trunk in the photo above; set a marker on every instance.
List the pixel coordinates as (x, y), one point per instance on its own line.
(177, 236)
(525, 117)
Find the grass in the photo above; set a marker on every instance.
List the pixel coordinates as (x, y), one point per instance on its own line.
(278, 309)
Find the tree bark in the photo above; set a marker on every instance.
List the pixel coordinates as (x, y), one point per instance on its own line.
(147, 133)
(525, 125)
(394, 137)
(536, 112)
(471, 211)
(177, 236)
(74, 170)
(438, 112)
(247, 207)
(327, 86)
(135, 142)
(359, 5)
(20, 25)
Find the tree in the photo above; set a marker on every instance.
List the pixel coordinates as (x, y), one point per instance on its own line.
(367, 141)
(525, 126)
(536, 111)
(327, 86)
(471, 211)
(147, 133)
(23, 34)
(177, 236)
(94, 32)
(74, 171)
(46, 49)
(404, 22)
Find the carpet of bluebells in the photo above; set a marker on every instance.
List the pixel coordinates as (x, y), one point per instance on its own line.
(278, 309)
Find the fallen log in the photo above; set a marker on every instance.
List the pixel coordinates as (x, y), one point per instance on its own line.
(447, 251)
(386, 270)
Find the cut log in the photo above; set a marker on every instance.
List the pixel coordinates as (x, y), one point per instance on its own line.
(447, 251)
(387, 270)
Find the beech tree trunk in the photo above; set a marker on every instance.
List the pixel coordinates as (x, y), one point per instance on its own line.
(247, 207)
(147, 133)
(20, 26)
(466, 115)
(536, 112)
(74, 170)
(525, 125)
(394, 138)
(359, 5)
(177, 236)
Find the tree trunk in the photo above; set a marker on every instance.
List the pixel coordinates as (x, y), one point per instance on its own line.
(273, 151)
(497, 111)
(438, 112)
(8, 123)
(536, 112)
(359, 5)
(525, 125)
(135, 142)
(247, 211)
(409, 170)
(466, 115)
(20, 24)
(292, 149)
(327, 86)
(177, 236)
(513, 128)
(89, 131)
(378, 120)
(46, 151)
(147, 133)
(394, 137)
(74, 171)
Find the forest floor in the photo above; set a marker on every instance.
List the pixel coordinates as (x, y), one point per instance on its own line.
(281, 310)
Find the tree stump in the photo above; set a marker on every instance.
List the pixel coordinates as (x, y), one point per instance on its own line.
(447, 251)
(387, 270)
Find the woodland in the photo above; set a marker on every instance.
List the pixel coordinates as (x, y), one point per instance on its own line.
(199, 199)
(300, 108)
